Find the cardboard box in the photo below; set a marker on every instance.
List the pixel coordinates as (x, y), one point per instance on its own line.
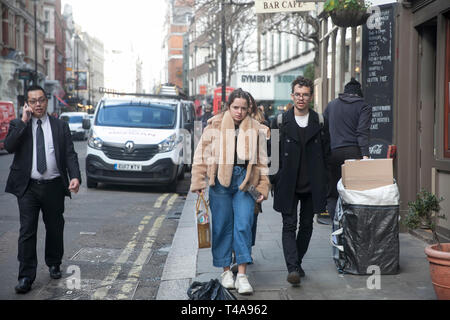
(367, 174)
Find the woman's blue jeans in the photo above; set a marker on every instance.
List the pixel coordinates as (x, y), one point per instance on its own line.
(232, 213)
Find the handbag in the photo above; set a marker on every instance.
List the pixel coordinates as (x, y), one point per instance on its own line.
(203, 226)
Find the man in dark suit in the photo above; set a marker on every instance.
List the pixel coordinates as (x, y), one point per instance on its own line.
(44, 157)
(302, 177)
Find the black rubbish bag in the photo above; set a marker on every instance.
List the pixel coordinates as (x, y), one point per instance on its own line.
(212, 290)
(369, 238)
(366, 231)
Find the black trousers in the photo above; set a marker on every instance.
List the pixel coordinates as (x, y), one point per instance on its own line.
(337, 159)
(50, 199)
(295, 244)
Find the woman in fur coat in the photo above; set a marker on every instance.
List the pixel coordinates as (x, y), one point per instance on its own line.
(231, 157)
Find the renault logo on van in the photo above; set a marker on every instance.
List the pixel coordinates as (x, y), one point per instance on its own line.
(129, 146)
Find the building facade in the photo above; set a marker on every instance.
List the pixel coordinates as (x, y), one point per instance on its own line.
(18, 39)
(85, 61)
(422, 114)
(402, 59)
(178, 18)
(54, 53)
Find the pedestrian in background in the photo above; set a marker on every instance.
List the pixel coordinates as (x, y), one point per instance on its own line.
(258, 115)
(44, 158)
(228, 155)
(207, 115)
(198, 112)
(349, 119)
(302, 175)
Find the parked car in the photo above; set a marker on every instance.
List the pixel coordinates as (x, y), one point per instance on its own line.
(7, 114)
(140, 141)
(75, 120)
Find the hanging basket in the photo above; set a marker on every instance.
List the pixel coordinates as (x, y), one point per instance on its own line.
(349, 18)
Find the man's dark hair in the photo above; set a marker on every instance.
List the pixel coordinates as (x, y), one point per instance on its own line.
(303, 82)
(35, 88)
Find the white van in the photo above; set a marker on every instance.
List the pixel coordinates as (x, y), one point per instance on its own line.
(140, 141)
(75, 120)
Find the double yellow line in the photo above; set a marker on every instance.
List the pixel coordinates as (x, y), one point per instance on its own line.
(136, 269)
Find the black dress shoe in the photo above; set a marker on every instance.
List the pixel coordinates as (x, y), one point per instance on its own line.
(55, 272)
(24, 285)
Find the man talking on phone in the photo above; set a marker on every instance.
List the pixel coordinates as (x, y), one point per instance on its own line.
(45, 169)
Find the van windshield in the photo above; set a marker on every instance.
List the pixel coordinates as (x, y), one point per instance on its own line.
(137, 116)
(72, 119)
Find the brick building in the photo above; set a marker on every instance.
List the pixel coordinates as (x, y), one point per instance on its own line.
(17, 47)
(178, 18)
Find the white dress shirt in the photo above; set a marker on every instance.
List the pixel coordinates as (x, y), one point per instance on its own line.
(52, 171)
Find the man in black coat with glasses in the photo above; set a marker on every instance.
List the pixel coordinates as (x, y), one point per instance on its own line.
(302, 175)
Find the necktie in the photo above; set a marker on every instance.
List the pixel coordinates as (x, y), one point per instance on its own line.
(40, 149)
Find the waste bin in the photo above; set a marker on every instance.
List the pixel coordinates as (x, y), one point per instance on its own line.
(366, 230)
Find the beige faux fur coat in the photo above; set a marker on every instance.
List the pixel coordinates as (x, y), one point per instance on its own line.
(214, 155)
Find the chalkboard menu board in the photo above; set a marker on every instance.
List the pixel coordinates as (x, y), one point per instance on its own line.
(378, 55)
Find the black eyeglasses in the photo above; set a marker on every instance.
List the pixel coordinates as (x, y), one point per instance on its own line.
(302, 95)
(33, 102)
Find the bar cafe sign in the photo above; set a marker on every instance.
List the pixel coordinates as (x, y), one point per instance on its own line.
(271, 6)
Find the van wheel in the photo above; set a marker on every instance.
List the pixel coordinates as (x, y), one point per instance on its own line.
(90, 183)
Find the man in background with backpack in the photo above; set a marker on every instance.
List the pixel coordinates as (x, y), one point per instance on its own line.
(349, 119)
(302, 177)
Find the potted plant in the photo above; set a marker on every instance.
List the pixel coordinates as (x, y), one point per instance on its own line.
(347, 13)
(424, 211)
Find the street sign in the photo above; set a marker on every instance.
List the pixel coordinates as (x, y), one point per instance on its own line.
(273, 6)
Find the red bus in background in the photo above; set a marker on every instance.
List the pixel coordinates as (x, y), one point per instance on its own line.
(6, 115)
(218, 98)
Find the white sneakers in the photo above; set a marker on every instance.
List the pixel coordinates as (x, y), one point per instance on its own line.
(226, 279)
(241, 284)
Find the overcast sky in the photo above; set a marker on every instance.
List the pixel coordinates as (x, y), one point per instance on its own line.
(119, 22)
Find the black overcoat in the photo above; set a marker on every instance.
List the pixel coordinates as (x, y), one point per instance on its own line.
(317, 150)
(20, 142)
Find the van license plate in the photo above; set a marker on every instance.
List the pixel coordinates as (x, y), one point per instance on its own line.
(128, 167)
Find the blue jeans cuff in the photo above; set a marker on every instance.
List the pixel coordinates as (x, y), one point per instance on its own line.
(241, 259)
(222, 263)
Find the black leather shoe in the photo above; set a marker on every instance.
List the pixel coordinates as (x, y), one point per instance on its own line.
(301, 272)
(55, 272)
(293, 278)
(24, 285)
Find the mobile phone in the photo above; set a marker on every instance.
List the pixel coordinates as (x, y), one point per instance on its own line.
(28, 112)
(253, 192)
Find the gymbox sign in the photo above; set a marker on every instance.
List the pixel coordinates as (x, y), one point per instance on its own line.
(271, 6)
(260, 84)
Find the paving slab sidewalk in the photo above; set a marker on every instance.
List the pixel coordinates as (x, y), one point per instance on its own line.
(186, 263)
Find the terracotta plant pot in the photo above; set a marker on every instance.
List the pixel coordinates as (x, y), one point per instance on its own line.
(349, 18)
(440, 269)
